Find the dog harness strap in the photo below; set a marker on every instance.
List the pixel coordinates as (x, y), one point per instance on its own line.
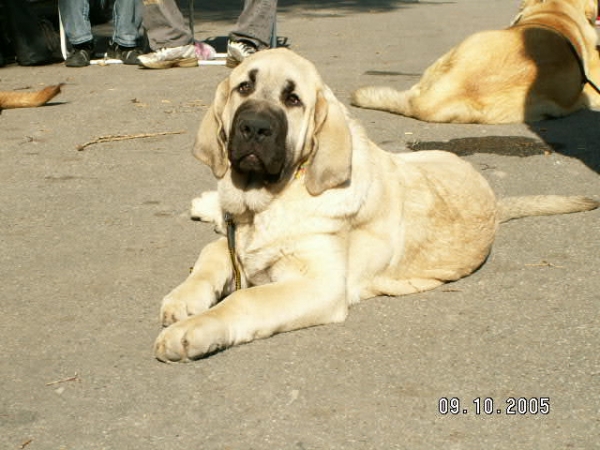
(231, 246)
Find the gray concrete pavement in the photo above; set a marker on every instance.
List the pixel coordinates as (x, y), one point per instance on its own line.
(91, 240)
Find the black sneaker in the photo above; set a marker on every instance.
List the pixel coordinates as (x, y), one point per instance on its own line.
(129, 55)
(80, 57)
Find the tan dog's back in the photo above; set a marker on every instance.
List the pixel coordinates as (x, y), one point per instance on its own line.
(528, 72)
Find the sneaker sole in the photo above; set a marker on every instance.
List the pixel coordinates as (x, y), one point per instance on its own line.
(185, 62)
(76, 65)
(231, 62)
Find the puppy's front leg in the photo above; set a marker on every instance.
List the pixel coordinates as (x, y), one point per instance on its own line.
(254, 313)
(203, 287)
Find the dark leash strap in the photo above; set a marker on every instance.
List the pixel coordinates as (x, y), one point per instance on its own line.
(592, 84)
(579, 58)
(231, 246)
(585, 77)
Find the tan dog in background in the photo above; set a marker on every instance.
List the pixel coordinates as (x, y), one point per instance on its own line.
(10, 100)
(531, 71)
(317, 216)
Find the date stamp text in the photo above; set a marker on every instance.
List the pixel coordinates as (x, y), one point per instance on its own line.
(488, 406)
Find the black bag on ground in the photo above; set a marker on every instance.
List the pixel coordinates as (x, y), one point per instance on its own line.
(34, 38)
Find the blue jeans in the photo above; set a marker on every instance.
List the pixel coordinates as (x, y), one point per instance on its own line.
(127, 19)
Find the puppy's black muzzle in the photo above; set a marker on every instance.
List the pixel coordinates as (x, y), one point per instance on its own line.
(257, 141)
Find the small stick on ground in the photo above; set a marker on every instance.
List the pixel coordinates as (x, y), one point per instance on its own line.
(545, 263)
(124, 137)
(64, 380)
(451, 290)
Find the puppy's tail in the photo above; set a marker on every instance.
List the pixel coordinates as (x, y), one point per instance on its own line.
(510, 208)
(9, 100)
(383, 98)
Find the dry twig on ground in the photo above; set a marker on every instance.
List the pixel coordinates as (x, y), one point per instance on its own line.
(124, 137)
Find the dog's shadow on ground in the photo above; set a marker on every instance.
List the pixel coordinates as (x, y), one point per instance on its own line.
(576, 136)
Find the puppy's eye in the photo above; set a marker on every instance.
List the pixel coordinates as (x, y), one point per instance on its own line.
(245, 88)
(292, 100)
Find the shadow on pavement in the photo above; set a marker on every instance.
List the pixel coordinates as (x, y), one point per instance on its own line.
(497, 145)
(577, 136)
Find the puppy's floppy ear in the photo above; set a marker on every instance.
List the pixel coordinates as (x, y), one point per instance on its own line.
(331, 161)
(210, 146)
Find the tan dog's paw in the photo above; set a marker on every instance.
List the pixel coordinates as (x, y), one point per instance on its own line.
(187, 299)
(207, 208)
(190, 339)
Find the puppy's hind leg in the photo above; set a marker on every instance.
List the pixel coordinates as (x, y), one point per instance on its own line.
(207, 208)
(387, 286)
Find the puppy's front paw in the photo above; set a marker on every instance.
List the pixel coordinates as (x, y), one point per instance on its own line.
(187, 299)
(207, 208)
(190, 339)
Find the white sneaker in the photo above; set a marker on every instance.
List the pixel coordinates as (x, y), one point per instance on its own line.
(237, 51)
(184, 56)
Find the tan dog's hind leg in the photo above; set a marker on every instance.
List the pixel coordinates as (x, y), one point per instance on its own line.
(10, 100)
(419, 103)
(385, 99)
(436, 97)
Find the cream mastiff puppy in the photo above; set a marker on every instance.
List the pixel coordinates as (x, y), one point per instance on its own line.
(536, 69)
(317, 217)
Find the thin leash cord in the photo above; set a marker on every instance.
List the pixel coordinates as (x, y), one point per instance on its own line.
(579, 59)
(592, 84)
(231, 246)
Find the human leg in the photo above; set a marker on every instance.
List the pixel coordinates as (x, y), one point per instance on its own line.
(256, 22)
(169, 35)
(76, 22)
(75, 16)
(127, 19)
(165, 25)
(253, 30)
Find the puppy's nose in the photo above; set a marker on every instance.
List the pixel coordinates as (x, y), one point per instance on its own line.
(255, 129)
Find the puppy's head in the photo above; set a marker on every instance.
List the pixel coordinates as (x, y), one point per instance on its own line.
(269, 117)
